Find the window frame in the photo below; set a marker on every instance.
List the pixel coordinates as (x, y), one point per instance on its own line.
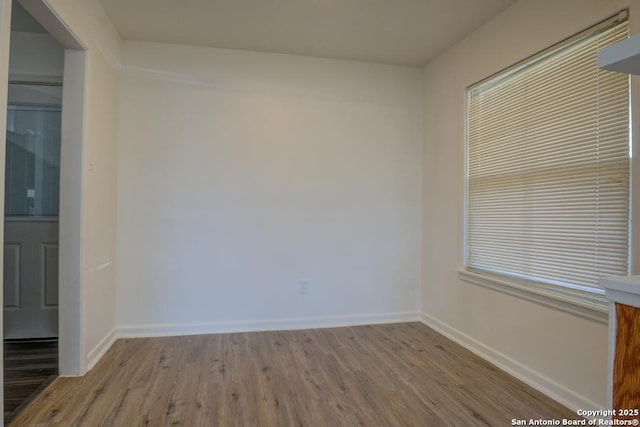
(584, 301)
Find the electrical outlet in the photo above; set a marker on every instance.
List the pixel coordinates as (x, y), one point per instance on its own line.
(303, 287)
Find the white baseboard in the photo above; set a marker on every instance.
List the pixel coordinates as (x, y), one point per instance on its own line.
(264, 325)
(557, 392)
(99, 350)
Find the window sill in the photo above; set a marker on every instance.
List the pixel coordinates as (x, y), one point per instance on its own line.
(590, 305)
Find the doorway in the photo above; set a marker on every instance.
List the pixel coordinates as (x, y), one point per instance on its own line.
(71, 353)
(32, 201)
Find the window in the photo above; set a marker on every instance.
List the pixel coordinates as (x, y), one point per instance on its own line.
(33, 150)
(548, 170)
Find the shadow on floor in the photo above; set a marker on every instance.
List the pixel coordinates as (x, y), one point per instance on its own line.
(29, 365)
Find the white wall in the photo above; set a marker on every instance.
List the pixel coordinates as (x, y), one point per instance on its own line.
(35, 57)
(96, 270)
(561, 353)
(242, 174)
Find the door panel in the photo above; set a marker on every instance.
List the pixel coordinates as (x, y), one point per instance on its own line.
(11, 276)
(49, 273)
(32, 311)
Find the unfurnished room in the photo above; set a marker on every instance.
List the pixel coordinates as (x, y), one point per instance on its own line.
(320, 212)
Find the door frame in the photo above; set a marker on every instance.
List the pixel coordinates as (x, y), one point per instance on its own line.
(5, 35)
(71, 337)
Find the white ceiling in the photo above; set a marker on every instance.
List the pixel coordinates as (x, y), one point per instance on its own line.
(407, 32)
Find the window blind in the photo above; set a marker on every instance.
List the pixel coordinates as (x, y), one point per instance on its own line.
(548, 167)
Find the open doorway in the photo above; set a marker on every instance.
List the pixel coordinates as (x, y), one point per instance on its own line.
(71, 353)
(32, 195)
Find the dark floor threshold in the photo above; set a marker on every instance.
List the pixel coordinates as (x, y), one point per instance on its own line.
(13, 414)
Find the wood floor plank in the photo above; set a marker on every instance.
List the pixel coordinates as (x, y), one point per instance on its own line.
(27, 365)
(402, 374)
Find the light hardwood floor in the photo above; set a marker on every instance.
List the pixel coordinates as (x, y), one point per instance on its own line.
(383, 375)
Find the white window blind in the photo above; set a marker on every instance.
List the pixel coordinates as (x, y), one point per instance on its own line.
(548, 167)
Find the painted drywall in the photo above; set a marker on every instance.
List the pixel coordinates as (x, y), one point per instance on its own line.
(95, 278)
(35, 57)
(245, 176)
(562, 353)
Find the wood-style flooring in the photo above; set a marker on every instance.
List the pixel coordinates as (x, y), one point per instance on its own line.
(401, 374)
(28, 364)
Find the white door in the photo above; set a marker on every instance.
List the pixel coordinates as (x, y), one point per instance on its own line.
(32, 174)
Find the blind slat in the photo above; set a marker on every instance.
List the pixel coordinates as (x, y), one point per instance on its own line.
(548, 167)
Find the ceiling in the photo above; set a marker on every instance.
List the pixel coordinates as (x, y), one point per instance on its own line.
(404, 32)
